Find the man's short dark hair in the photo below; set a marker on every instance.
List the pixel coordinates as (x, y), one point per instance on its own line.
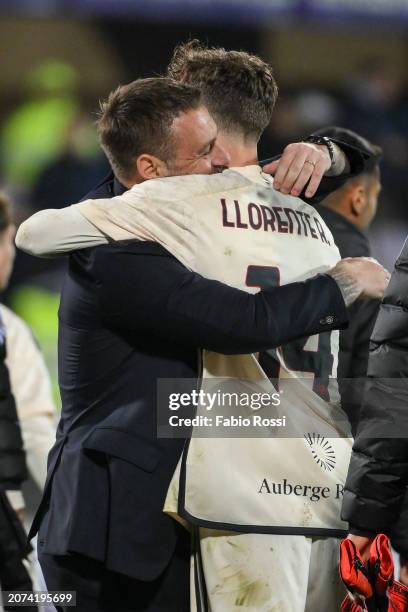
(137, 117)
(6, 217)
(238, 89)
(371, 152)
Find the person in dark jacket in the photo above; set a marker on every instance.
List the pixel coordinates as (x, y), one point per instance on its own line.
(375, 498)
(13, 471)
(348, 212)
(131, 314)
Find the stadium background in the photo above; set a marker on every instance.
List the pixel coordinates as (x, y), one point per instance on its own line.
(336, 62)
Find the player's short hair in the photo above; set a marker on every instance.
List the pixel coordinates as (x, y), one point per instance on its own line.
(6, 217)
(371, 152)
(137, 118)
(238, 89)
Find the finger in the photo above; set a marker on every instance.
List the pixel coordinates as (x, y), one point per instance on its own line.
(315, 179)
(272, 167)
(294, 168)
(283, 166)
(303, 178)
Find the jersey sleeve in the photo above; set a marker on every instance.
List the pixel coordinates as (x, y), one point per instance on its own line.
(147, 213)
(55, 232)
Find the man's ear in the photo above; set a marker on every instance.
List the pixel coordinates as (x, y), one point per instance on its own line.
(358, 200)
(150, 167)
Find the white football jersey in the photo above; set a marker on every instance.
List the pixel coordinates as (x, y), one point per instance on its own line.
(234, 227)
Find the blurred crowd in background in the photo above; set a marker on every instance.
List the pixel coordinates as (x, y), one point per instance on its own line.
(58, 68)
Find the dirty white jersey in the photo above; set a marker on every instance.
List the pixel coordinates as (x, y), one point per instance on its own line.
(234, 227)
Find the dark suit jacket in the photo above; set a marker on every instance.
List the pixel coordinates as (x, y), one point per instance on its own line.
(355, 340)
(130, 313)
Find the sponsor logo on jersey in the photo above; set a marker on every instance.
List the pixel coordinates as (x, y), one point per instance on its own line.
(314, 493)
(322, 451)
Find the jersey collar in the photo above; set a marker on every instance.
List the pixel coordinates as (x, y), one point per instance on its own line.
(254, 173)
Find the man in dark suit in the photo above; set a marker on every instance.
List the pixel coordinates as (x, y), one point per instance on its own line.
(131, 314)
(349, 212)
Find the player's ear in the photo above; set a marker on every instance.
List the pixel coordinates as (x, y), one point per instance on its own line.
(358, 200)
(150, 167)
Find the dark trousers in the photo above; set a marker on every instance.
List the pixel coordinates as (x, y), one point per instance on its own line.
(99, 590)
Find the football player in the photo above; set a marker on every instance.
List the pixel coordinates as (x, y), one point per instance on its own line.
(238, 228)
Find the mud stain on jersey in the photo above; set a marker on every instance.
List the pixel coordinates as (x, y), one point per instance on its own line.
(199, 455)
(307, 515)
(239, 589)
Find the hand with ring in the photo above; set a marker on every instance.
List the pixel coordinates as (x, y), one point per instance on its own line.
(301, 164)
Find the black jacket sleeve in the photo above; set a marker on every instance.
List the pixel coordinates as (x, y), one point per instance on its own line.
(143, 287)
(378, 473)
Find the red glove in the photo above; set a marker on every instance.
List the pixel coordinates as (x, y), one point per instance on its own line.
(353, 572)
(349, 605)
(371, 586)
(398, 597)
(381, 564)
(397, 600)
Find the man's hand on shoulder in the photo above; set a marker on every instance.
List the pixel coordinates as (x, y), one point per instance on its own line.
(305, 164)
(360, 277)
